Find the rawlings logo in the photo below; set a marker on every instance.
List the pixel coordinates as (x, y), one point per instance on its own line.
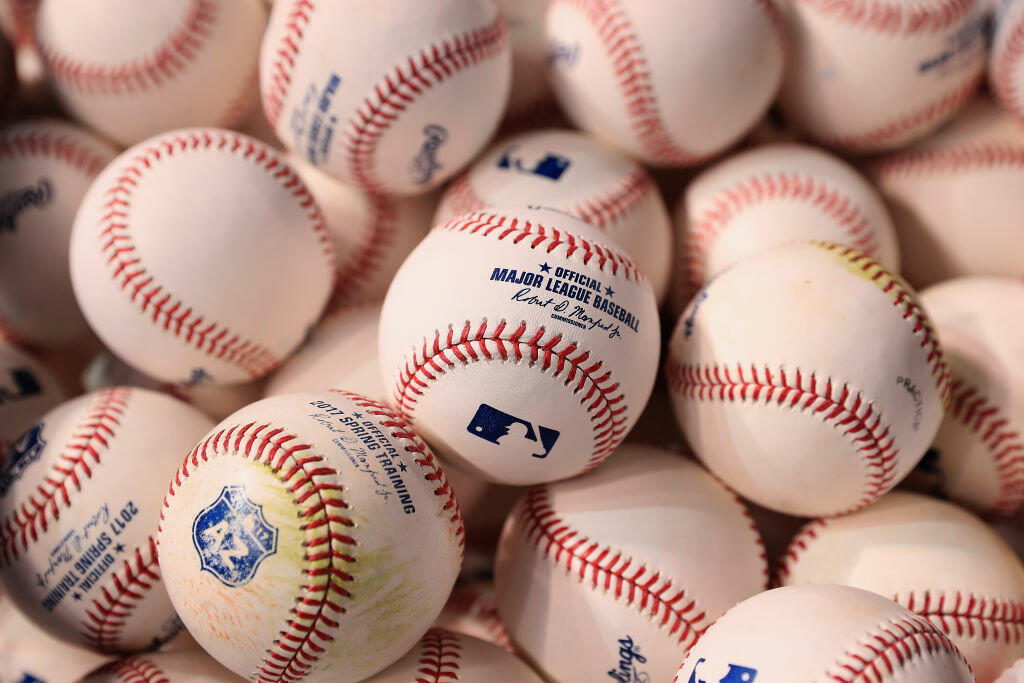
(425, 164)
(735, 674)
(14, 202)
(22, 453)
(496, 426)
(629, 657)
(550, 166)
(233, 537)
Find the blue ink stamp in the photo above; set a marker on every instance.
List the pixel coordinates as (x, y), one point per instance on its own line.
(233, 537)
(735, 674)
(550, 166)
(22, 453)
(502, 429)
(425, 164)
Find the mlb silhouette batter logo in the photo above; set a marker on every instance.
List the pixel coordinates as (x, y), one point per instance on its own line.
(735, 674)
(511, 432)
(233, 537)
(22, 453)
(550, 166)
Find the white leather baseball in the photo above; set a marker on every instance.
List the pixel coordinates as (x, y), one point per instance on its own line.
(472, 609)
(372, 233)
(519, 345)
(955, 197)
(163, 667)
(395, 96)
(28, 389)
(932, 557)
(1004, 69)
(79, 504)
(340, 354)
(443, 655)
(132, 70)
(310, 535)
(769, 196)
(845, 635)
(46, 167)
(808, 378)
(530, 98)
(572, 172)
(871, 75)
(199, 256)
(667, 99)
(980, 444)
(598, 575)
(1015, 674)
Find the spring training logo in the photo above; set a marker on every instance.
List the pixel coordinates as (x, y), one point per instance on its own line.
(13, 202)
(233, 537)
(425, 164)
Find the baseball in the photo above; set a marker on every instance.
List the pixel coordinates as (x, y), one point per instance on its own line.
(530, 100)
(866, 79)
(1015, 674)
(28, 389)
(979, 450)
(79, 505)
(817, 395)
(572, 172)
(366, 91)
(844, 634)
(621, 73)
(441, 655)
(131, 70)
(46, 167)
(162, 667)
(954, 197)
(180, 249)
(610, 562)
(310, 535)
(931, 557)
(472, 610)
(770, 196)
(530, 357)
(1004, 71)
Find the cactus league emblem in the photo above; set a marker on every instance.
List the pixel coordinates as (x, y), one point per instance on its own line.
(233, 537)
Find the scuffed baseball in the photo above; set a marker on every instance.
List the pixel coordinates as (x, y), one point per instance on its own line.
(442, 655)
(46, 167)
(808, 378)
(666, 99)
(519, 344)
(310, 535)
(932, 557)
(133, 70)
(393, 96)
(1004, 68)
(598, 576)
(844, 634)
(870, 77)
(28, 389)
(572, 172)
(167, 667)
(79, 504)
(200, 257)
(955, 197)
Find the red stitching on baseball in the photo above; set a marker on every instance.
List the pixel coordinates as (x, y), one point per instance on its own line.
(136, 670)
(440, 652)
(992, 428)
(55, 147)
(606, 569)
(817, 193)
(82, 452)
(242, 102)
(892, 647)
(953, 160)
(585, 378)
(1004, 70)
(966, 615)
(161, 305)
(399, 89)
(808, 532)
(472, 603)
(164, 63)
(461, 197)
(367, 255)
(835, 404)
(102, 628)
(283, 64)
(886, 16)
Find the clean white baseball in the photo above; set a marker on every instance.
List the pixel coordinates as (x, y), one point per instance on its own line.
(131, 70)
(980, 445)
(28, 389)
(572, 172)
(340, 354)
(808, 378)
(472, 609)
(443, 655)
(668, 99)
(310, 535)
(955, 197)
(79, 505)
(1015, 674)
(392, 96)
(519, 345)
(773, 195)
(845, 635)
(199, 256)
(932, 557)
(869, 76)
(1004, 70)
(46, 167)
(530, 98)
(372, 233)
(601, 576)
(163, 667)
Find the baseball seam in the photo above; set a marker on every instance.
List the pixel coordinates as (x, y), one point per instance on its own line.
(83, 451)
(242, 102)
(287, 53)
(155, 301)
(58, 148)
(967, 615)
(105, 620)
(377, 238)
(807, 533)
(952, 160)
(440, 652)
(480, 607)
(164, 63)
(137, 670)
(1006, 65)
(885, 16)
(606, 569)
(398, 90)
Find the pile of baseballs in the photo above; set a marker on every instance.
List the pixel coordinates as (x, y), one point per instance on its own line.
(512, 341)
